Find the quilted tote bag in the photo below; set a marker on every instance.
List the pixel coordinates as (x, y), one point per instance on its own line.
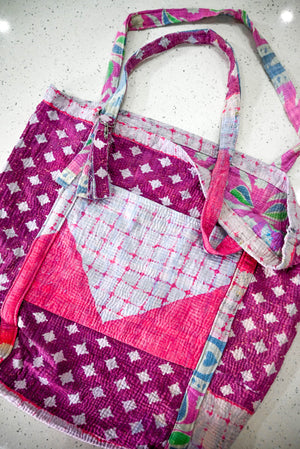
(127, 295)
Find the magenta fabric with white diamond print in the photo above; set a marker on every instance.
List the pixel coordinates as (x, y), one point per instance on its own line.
(48, 144)
(93, 381)
(157, 176)
(28, 185)
(261, 335)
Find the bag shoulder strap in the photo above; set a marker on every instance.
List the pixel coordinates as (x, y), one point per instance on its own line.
(162, 17)
(93, 182)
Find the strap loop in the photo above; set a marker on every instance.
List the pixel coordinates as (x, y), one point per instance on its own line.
(162, 17)
(94, 180)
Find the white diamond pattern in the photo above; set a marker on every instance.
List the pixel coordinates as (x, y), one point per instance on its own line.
(155, 183)
(72, 329)
(81, 349)
(34, 180)
(185, 194)
(121, 384)
(291, 309)
(226, 390)
(166, 368)
(105, 413)
(43, 380)
(59, 357)
(102, 173)
(238, 354)
(111, 364)
(89, 370)
(23, 207)
(270, 368)
(194, 212)
(111, 434)
(80, 127)
(13, 187)
(53, 115)
(68, 150)
(144, 377)
(61, 133)
(17, 363)
(296, 280)
(165, 201)
(3, 280)
(20, 384)
(98, 392)
(258, 298)
(40, 317)
(50, 401)
(66, 378)
(41, 138)
(38, 362)
(28, 162)
(49, 336)
(3, 213)
(99, 143)
(49, 156)
(165, 162)
(103, 343)
(175, 179)
(136, 427)
(281, 338)
(278, 291)
(247, 375)
(134, 356)
(135, 151)
(270, 318)
(248, 324)
(260, 346)
(129, 405)
(126, 173)
(160, 420)
(43, 199)
(31, 225)
(117, 155)
(152, 397)
(175, 389)
(19, 252)
(74, 398)
(10, 233)
(146, 168)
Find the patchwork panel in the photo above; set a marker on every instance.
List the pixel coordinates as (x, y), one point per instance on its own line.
(145, 291)
(218, 424)
(161, 177)
(138, 256)
(94, 382)
(28, 185)
(261, 334)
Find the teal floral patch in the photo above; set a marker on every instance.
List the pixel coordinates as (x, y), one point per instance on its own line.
(242, 194)
(277, 211)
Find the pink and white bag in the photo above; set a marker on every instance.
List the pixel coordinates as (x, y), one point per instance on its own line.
(160, 287)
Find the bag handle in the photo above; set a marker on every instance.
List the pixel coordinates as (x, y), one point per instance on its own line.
(93, 182)
(161, 17)
(88, 159)
(97, 164)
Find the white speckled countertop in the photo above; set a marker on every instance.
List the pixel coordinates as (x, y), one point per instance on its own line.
(68, 44)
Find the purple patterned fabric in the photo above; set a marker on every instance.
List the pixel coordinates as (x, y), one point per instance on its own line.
(28, 185)
(183, 195)
(261, 335)
(110, 389)
(86, 377)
